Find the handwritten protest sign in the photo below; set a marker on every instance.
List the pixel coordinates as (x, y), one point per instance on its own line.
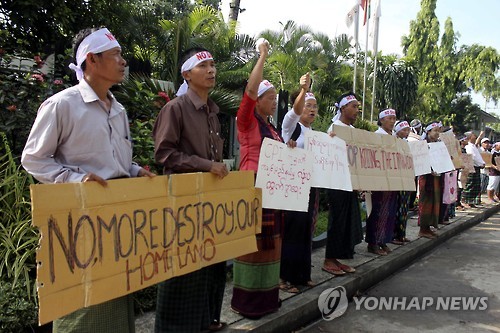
(284, 175)
(330, 168)
(440, 158)
(421, 160)
(99, 243)
(487, 159)
(497, 161)
(377, 162)
(453, 146)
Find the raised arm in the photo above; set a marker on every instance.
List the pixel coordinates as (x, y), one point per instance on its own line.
(257, 72)
(298, 104)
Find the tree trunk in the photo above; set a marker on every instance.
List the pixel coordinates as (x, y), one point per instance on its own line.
(234, 10)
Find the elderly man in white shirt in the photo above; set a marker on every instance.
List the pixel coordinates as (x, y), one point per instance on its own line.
(471, 194)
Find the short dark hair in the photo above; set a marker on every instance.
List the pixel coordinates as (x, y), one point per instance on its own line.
(80, 36)
(191, 52)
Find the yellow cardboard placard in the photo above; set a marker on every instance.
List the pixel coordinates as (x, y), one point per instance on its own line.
(453, 146)
(99, 243)
(377, 162)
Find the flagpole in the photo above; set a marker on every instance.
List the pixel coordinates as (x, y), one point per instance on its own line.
(375, 50)
(364, 71)
(356, 32)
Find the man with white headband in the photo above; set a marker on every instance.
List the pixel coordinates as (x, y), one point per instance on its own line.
(344, 216)
(187, 136)
(347, 111)
(81, 134)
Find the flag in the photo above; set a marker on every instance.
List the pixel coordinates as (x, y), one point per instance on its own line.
(351, 14)
(365, 4)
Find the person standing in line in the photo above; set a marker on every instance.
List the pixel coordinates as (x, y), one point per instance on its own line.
(380, 223)
(471, 194)
(429, 189)
(81, 134)
(298, 228)
(256, 275)
(484, 147)
(344, 229)
(401, 131)
(494, 175)
(187, 139)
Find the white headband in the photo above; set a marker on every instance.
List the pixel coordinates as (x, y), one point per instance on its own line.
(401, 125)
(263, 87)
(97, 42)
(432, 125)
(386, 113)
(345, 100)
(309, 96)
(191, 63)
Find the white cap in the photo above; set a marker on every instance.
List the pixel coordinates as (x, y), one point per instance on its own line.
(484, 140)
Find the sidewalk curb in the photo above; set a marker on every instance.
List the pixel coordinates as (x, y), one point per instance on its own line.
(302, 309)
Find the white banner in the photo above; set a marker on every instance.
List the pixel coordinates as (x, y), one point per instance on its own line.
(440, 157)
(330, 167)
(421, 160)
(284, 175)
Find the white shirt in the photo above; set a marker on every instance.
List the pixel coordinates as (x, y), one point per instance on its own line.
(74, 134)
(288, 127)
(337, 122)
(380, 130)
(471, 148)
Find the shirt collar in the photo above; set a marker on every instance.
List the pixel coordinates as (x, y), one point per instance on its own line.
(199, 104)
(88, 94)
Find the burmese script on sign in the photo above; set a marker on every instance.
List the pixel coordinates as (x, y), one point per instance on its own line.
(330, 168)
(284, 175)
(99, 243)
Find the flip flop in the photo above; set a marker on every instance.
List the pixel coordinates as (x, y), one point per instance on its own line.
(347, 269)
(335, 270)
(217, 326)
(289, 288)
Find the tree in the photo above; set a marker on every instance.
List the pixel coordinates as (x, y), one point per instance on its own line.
(421, 48)
(397, 86)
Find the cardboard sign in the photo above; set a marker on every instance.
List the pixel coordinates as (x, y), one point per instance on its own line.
(453, 146)
(284, 175)
(468, 163)
(377, 162)
(421, 160)
(497, 161)
(487, 159)
(440, 158)
(99, 243)
(330, 168)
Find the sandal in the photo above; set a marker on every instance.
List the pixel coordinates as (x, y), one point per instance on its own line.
(310, 284)
(406, 240)
(427, 234)
(385, 248)
(217, 326)
(376, 250)
(333, 269)
(346, 268)
(397, 242)
(288, 287)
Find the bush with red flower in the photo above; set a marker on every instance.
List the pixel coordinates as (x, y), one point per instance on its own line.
(21, 93)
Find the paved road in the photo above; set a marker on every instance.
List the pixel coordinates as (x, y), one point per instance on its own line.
(467, 265)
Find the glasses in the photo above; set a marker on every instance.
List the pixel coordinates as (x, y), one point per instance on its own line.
(311, 106)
